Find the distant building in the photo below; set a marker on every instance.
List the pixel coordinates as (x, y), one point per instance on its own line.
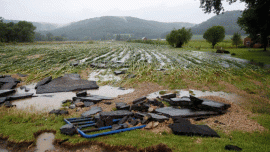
(144, 38)
(248, 42)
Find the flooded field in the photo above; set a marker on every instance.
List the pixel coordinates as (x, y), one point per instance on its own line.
(49, 101)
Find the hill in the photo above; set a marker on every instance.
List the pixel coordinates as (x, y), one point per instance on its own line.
(107, 27)
(228, 20)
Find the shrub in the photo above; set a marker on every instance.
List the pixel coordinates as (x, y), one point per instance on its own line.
(179, 37)
(236, 39)
(214, 35)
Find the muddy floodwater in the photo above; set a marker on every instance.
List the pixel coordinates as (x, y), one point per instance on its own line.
(45, 142)
(50, 101)
(197, 93)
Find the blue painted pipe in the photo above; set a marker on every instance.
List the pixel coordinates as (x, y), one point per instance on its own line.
(109, 132)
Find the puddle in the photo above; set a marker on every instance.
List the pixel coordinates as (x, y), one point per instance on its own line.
(45, 142)
(50, 101)
(109, 91)
(44, 102)
(197, 93)
(97, 76)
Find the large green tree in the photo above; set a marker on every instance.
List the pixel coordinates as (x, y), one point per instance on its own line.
(255, 19)
(179, 37)
(25, 31)
(214, 35)
(21, 32)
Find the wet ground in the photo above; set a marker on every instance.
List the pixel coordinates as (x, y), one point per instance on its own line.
(197, 93)
(50, 101)
(164, 57)
(45, 142)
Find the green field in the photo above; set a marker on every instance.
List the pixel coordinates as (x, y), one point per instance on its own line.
(40, 60)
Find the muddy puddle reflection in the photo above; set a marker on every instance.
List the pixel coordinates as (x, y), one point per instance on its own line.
(197, 93)
(50, 101)
(45, 142)
(43, 102)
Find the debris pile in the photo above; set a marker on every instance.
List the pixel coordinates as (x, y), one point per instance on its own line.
(149, 113)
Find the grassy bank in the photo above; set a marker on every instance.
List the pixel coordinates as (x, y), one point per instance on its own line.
(51, 59)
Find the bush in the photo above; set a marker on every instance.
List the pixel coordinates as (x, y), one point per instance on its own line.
(236, 39)
(179, 37)
(214, 35)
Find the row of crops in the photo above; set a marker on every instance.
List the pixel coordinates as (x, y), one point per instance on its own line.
(48, 59)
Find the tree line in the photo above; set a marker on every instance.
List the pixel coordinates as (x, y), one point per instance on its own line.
(16, 32)
(49, 37)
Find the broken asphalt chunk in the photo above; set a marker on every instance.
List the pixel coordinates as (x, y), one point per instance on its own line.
(44, 81)
(168, 96)
(195, 101)
(4, 93)
(184, 113)
(180, 101)
(20, 96)
(81, 94)
(68, 129)
(108, 121)
(66, 84)
(88, 104)
(8, 85)
(192, 130)
(137, 107)
(159, 118)
(116, 114)
(138, 100)
(122, 106)
(91, 112)
(88, 99)
(213, 105)
(134, 122)
(117, 127)
(7, 79)
(123, 120)
(100, 123)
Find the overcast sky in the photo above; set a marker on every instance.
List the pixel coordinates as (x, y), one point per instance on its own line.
(66, 11)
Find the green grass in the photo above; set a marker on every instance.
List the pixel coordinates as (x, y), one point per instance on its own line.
(21, 127)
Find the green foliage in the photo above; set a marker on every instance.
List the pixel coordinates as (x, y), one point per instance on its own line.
(16, 32)
(236, 39)
(179, 37)
(214, 35)
(255, 21)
